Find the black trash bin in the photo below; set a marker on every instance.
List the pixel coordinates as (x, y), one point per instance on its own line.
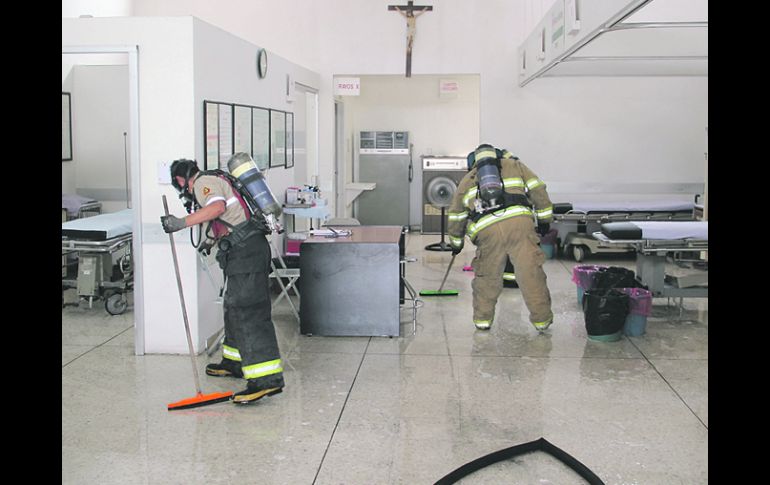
(614, 277)
(605, 312)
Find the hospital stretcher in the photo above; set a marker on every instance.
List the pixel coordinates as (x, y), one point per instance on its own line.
(575, 223)
(77, 207)
(103, 247)
(657, 241)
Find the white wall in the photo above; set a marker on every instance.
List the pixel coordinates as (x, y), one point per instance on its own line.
(99, 118)
(166, 132)
(437, 125)
(568, 130)
(232, 78)
(182, 61)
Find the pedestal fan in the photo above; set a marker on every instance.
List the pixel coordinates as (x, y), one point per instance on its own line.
(439, 193)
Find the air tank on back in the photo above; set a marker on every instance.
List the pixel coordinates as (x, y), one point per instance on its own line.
(490, 183)
(244, 168)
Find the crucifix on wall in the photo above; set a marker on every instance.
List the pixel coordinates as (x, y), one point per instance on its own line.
(411, 12)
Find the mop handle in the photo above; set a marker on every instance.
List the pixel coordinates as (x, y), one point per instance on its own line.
(184, 309)
(447, 273)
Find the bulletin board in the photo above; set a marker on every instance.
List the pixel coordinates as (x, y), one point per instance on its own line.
(66, 127)
(277, 138)
(265, 134)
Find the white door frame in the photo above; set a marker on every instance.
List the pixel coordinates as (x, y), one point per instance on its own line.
(136, 192)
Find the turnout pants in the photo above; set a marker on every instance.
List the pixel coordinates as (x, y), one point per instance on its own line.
(513, 238)
(249, 333)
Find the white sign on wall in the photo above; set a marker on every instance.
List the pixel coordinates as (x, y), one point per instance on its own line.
(347, 86)
(448, 88)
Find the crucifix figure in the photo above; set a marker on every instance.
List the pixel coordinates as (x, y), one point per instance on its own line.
(411, 12)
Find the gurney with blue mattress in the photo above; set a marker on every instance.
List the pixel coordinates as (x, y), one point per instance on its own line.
(575, 223)
(102, 246)
(77, 207)
(655, 242)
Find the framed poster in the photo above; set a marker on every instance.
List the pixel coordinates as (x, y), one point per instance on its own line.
(277, 138)
(66, 128)
(260, 128)
(242, 130)
(289, 140)
(211, 134)
(225, 134)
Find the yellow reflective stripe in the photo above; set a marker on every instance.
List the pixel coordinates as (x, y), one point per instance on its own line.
(456, 241)
(240, 169)
(543, 213)
(458, 216)
(513, 182)
(470, 195)
(509, 276)
(534, 183)
(486, 153)
(497, 216)
(263, 369)
(507, 154)
(231, 353)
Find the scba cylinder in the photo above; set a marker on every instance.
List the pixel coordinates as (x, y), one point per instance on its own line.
(244, 168)
(490, 183)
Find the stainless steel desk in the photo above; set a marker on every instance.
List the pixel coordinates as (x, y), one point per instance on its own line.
(350, 285)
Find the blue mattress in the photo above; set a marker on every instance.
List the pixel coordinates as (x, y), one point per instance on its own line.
(634, 206)
(657, 230)
(73, 203)
(99, 228)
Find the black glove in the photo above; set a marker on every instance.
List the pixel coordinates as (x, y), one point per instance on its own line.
(205, 247)
(543, 228)
(172, 223)
(456, 251)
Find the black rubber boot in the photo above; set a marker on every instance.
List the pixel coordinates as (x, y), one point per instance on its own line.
(226, 368)
(254, 393)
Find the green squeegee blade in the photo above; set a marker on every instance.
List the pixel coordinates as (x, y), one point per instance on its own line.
(439, 293)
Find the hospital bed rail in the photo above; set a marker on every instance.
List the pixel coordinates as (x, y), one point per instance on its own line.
(653, 253)
(101, 267)
(575, 225)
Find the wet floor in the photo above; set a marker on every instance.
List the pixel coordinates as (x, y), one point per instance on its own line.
(405, 410)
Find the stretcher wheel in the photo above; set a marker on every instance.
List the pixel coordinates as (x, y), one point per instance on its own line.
(116, 304)
(579, 253)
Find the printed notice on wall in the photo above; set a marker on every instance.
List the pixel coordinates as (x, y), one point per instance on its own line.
(448, 88)
(225, 134)
(347, 86)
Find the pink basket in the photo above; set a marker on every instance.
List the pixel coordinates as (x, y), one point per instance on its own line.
(639, 301)
(581, 275)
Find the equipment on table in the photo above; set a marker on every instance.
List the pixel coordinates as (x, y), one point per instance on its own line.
(200, 399)
(441, 291)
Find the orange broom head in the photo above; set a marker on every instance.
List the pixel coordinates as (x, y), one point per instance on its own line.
(201, 400)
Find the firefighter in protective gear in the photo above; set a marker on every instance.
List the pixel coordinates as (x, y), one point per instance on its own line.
(503, 230)
(250, 347)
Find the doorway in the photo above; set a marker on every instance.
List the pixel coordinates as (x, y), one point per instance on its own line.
(76, 54)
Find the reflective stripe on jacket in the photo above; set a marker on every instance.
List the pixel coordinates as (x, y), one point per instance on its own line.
(517, 179)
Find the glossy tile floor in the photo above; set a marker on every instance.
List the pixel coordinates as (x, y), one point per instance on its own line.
(404, 410)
